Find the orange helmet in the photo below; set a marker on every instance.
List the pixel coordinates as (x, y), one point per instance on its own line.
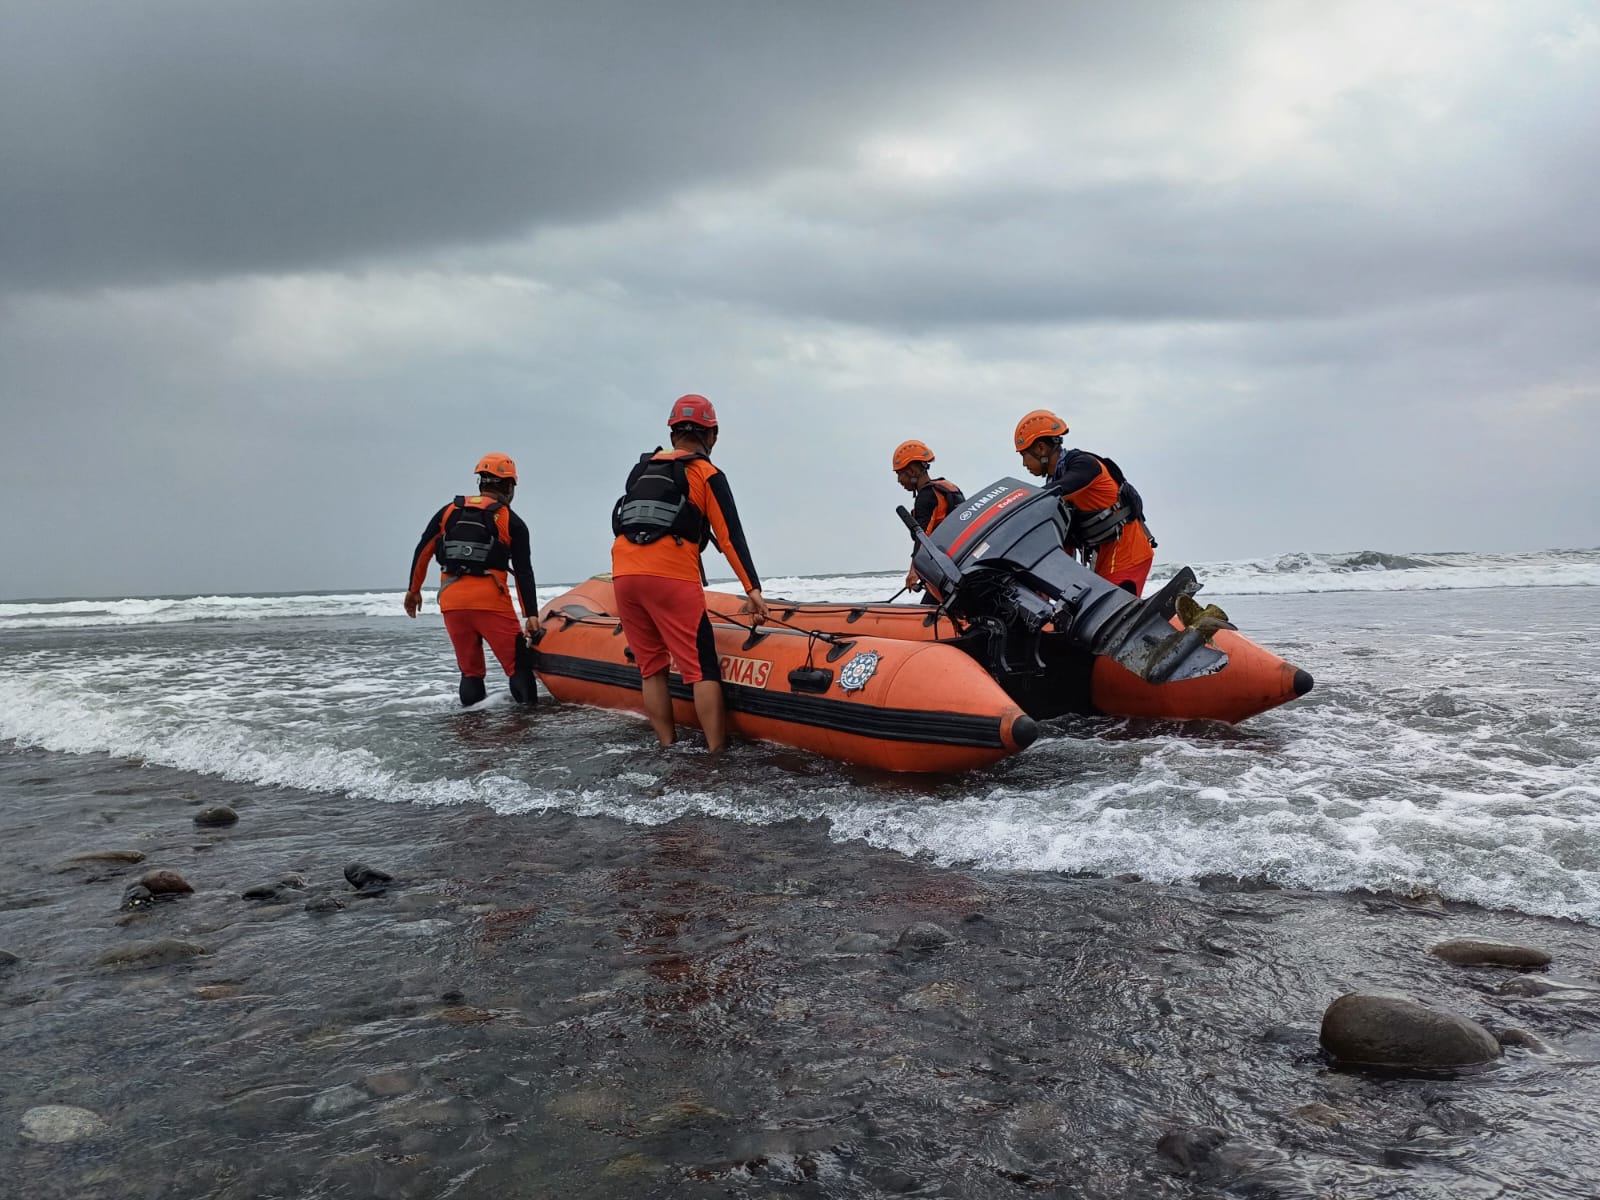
(910, 452)
(1040, 423)
(692, 410)
(497, 465)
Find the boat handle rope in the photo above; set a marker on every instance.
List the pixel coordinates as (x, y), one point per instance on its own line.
(839, 642)
(571, 615)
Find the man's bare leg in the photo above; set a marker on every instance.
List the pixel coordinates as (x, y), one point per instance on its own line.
(712, 710)
(658, 707)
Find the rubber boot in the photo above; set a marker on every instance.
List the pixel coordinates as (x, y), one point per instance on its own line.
(472, 689)
(523, 688)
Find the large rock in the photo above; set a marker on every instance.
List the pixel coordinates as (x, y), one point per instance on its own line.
(52, 1123)
(1481, 952)
(216, 818)
(1386, 1029)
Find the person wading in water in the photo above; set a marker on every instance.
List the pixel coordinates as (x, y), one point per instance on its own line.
(675, 501)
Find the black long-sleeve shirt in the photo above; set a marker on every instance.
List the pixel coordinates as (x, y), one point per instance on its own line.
(513, 531)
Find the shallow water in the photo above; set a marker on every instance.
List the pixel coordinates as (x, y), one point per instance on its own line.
(545, 1004)
(608, 971)
(1451, 743)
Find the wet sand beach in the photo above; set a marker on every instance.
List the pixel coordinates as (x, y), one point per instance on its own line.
(543, 1004)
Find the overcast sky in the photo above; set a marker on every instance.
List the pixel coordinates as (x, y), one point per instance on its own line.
(273, 275)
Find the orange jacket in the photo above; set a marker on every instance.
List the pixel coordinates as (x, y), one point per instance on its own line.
(676, 558)
(486, 592)
(1132, 545)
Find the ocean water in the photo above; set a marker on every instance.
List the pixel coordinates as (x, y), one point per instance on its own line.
(603, 970)
(1452, 743)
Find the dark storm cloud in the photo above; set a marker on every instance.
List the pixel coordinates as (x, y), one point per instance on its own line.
(164, 140)
(1266, 244)
(1321, 277)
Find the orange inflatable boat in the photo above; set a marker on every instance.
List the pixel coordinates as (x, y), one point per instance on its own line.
(897, 704)
(1250, 681)
(1020, 632)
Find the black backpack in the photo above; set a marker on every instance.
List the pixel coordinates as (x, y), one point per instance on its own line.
(656, 503)
(469, 540)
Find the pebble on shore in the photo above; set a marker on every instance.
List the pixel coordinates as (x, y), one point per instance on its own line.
(336, 1101)
(165, 883)
(1482, 952)
(924, 935)
(55, 1123)
(150, 954)
(293, 881)
(1189, 1147)
(364, 878)
(1534, 985)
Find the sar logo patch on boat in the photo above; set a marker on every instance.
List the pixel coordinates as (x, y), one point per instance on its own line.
(858, 670)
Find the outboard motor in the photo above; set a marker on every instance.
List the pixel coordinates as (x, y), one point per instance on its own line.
(999, 564)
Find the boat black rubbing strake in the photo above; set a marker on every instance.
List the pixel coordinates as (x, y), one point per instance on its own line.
(842, 716)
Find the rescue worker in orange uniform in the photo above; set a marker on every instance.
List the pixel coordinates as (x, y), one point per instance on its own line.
(478, 541)
(674, 503)
(935, 497)
(1107, 527)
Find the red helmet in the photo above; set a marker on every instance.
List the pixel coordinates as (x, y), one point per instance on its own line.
(1040, 423)
(497, 465)
(692, 410)
(910, 452)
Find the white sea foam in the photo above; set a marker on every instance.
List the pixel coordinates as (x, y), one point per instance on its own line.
(69, 614)
(1362, 571)
(1372, 571)
(1451, 744)
(1284, 574)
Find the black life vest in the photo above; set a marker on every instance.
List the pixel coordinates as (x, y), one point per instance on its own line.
(1093, 529)
(656, 503)
(469, 538)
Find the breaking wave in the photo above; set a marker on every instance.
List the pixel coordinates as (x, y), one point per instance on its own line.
(1376, 571)
(1451, 744)
(1300, 571)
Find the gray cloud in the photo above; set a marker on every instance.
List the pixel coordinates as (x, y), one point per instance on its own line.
(186, 139)
(1265, 246)
(1320, 280)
